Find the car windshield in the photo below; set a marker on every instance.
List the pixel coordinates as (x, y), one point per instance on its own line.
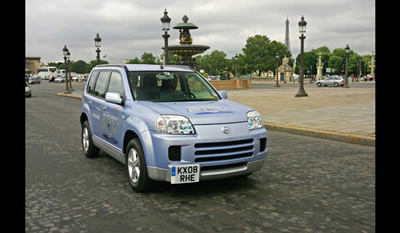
(170, 86)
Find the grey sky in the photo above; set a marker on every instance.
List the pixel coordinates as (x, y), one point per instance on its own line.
(128, 28)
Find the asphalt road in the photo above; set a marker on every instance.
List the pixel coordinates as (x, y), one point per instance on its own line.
(306, 185)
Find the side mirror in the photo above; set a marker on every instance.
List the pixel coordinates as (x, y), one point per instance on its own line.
(223, 94)
(113, 97)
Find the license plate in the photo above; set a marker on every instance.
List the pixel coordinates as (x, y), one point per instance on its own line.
(182, 174)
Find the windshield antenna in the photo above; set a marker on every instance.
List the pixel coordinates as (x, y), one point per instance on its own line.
(158, 59)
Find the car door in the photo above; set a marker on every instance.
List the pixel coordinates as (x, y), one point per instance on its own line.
(329, 81)
(88, 99)
(97, 103)
(112, 122)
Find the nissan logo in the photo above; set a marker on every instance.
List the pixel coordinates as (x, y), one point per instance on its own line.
(226, 130)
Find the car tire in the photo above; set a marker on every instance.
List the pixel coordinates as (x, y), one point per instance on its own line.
(319, 84)
(89, 149)
(336, 84)
(136, 167)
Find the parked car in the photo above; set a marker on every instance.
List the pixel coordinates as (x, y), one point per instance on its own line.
(168, 123)
(34, 80)
(79, 78)
(59, 79)
(213, 78)
(28, 91)
(367, 78)
(331, 81)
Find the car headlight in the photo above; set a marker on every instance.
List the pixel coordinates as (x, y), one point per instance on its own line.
(254, 120)
(173, 124)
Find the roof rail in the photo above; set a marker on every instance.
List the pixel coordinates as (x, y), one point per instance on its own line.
(179, 66)
(114, 65)
(117, 65)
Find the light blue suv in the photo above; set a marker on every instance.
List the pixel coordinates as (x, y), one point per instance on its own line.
(168, 123)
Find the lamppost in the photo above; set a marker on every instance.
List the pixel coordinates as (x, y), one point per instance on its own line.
(65, 52)
(302, 30)
(277, 74)
(69, 71)
(346, 85)
(97, 43)
(236, 59)
(165, 21)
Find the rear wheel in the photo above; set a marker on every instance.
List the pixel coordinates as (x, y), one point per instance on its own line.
(89, 149)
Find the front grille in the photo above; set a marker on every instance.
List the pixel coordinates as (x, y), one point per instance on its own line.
(217, 151)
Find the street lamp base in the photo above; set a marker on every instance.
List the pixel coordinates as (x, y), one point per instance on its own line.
(277, 85)
(67, 92)
(301, 93)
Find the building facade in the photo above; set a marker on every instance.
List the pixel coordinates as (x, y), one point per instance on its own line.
(32, 63)
(285, 71)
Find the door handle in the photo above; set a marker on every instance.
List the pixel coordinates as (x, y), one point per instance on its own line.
(89, 101)
(103, 107)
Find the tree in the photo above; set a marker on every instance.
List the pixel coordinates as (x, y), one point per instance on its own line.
(80, 67)
(338, 61)
(256, 53)
(212, 63)
(93, 63)
(148, 58)
(136, 60)
(260, 53)
(310, 61)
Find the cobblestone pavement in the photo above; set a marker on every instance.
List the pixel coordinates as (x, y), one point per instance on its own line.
(306, 185)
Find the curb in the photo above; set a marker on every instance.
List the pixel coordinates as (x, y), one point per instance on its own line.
(342, 137)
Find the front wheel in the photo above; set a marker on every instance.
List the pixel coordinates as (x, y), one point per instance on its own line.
(319, 84)
(136, 168)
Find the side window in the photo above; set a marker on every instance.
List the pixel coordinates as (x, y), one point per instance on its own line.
(101, 84)
(92, 81)
(115, 84)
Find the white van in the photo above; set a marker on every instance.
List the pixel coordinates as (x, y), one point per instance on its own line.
(47, 72)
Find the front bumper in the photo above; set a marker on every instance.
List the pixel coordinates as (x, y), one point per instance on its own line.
(219, 172)
(220, 155)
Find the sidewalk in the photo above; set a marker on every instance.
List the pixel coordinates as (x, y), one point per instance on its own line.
(342, 114)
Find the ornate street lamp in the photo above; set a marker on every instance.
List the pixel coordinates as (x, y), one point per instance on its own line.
(346, 85)
(236, 59)
(69, 71)
(302, 30)
(277, 73)
(97, 43)
(165, 21)
(65, 53)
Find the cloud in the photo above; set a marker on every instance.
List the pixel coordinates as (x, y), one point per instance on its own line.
(130, 27)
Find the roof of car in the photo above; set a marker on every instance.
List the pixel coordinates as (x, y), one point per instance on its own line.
(146, 67)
